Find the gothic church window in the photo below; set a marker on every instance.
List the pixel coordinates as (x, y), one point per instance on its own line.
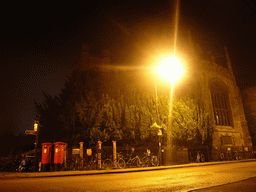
(220, 103)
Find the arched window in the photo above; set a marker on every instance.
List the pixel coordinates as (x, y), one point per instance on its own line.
(220, 103)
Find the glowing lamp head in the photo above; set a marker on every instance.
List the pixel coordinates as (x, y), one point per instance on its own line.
(35, 125)
(170, 68)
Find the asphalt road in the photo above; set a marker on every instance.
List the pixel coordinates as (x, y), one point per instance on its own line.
(241, 186)
(220, 177)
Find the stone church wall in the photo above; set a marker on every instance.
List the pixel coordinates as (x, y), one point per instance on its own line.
(238, 130)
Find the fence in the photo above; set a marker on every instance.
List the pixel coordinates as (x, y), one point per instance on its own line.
(78, 158)
(75, 162)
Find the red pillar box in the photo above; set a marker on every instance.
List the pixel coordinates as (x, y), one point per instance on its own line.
(46, 156)
(58, 155)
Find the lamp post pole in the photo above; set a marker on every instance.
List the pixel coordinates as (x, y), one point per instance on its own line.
(36, 129)
(160, 133)
(171, 69)
(170, 153)
(156, 127)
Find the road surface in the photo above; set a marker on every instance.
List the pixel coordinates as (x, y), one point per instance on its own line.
(202, 178)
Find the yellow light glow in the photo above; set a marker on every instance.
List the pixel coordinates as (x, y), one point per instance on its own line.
(35, 126)
(170, 68)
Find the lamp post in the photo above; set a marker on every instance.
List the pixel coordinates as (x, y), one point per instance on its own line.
(159, 134)
(171, 69)
(36, 125)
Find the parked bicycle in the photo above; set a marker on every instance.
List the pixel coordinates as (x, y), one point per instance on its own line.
(149, 160)
(200, 157)
(229, 156)
(237, 156)
(110, 164)
(91, 163)
(134, 161)
(220, 156)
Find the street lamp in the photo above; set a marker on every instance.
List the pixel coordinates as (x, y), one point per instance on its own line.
(171, 69)
(36, 124)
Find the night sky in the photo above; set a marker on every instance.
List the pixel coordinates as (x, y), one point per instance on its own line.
(41, 42)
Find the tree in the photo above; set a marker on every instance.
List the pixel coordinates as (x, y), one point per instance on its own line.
(50, 125)
(82, 112)
(58, 117)
(91, 114)
(71, 94)
(103, 119)
(128, 119)
(191, 126)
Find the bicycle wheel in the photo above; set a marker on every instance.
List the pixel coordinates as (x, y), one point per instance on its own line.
(154, 161)
(145, 162)
(121, 164)
(107, 164)
(92, 165)
(139, 162)
(202, 158)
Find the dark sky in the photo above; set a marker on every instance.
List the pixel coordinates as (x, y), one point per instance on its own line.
(40, 42)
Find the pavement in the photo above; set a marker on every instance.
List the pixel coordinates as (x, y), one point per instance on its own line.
(13, 175)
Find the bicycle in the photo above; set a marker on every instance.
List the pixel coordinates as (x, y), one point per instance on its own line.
(149, 160)
(229, 156)
(220, 156)
(237, 156)
(91, 164)
(109, 163)
(135, 161)
(200, 157)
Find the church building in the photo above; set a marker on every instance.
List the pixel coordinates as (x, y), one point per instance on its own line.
(223, 101)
